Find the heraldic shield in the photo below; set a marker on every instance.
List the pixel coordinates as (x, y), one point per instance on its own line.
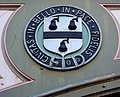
(62, 35)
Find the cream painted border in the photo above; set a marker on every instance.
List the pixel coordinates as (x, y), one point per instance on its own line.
(28, 79)
(109, 7)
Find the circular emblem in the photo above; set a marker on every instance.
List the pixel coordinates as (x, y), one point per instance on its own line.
(62, 38)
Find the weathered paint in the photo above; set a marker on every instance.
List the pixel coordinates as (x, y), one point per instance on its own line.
(99, 75)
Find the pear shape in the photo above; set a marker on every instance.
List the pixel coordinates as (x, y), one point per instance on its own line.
(62, 47)
(53, 25)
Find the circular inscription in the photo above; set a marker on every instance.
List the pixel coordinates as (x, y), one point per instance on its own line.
(86, 40)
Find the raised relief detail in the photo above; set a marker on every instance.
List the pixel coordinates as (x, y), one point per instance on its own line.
(62, 38)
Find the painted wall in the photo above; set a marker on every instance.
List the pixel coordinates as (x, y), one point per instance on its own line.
(99, 75)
